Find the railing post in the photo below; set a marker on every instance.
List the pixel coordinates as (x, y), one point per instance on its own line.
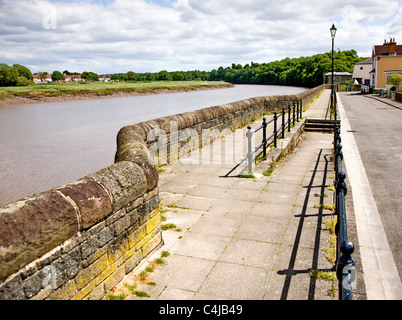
(335, 105)
(294, 116)
(337, 135)
(275, 129)
(301, 108)
(250, 151)
(283, 123)
(338, 157)
(264, 137)
(297, 102)
(289, 118)
(346, 271)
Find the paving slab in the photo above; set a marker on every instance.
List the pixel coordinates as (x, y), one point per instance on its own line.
(236, 281)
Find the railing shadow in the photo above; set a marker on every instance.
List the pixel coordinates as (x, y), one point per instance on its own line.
(290, 271)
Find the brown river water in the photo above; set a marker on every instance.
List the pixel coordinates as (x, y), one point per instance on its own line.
(43, 146)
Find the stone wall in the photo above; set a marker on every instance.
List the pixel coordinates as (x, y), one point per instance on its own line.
(78, 241)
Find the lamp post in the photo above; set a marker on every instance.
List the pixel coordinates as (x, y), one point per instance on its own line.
(333, 107)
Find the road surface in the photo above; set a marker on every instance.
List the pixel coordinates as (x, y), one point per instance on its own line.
(377, 131)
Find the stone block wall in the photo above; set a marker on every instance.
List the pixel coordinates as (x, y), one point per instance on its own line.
(79, 240)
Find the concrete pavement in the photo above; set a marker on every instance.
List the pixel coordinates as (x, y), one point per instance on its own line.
(246, 238)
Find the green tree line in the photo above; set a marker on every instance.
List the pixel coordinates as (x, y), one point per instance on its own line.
(303, 71)
(163, 76)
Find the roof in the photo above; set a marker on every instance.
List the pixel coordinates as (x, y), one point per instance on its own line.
(366, 61)
(338, 74)
(75, 76)
(384, 50)
(36, 76)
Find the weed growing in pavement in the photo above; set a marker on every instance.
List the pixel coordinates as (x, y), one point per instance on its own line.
(247, 176)
(330, 207)
(323, 275)
(116, 297)
(168, 226)
(317, 195)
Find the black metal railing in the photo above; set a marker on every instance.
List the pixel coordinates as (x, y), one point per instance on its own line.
(293, 113)
(345, 266)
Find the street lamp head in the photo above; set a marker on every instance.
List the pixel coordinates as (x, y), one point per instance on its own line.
(333, 31)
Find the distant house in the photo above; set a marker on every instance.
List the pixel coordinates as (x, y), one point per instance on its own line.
(37, 79)
(339, 77)
(387, 60)
(361, 71)
(72, 78)
(105, 77)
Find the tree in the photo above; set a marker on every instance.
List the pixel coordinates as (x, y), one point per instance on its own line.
(395, 79)
(303, 71)
(90, 76)
(23, 71)
(8, 75)
(164, 75)
(214, 75)
(179, 76)
(22, 81)
(42, 76)
(119, 77)
(57, 76)
(149, 76)
(131, 76)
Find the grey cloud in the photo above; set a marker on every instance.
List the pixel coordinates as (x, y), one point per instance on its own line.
(191, 33)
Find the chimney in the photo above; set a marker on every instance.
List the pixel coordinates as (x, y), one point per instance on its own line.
(392, 46)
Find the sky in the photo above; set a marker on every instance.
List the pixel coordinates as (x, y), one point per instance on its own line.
(113, 36)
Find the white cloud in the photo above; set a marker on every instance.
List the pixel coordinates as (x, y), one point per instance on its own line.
(151, 35)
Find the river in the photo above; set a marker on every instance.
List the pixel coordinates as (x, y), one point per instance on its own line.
(47, 145)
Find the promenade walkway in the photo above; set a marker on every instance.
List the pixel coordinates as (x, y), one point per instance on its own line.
(246, 238)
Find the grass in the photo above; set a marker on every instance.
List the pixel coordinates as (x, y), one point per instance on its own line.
(323, 275)
(247, 176)
(330, 207)
(331, 188)
(159, 261)
(141, 294)
(121, 292)
(175, 206)
(168, 226)
(104, 88)
(317, 195)
(331, 251)
(116, 297)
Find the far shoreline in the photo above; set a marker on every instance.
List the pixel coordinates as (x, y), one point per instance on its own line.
(21, 100)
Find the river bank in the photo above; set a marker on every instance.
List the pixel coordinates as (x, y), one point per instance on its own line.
(61, 92)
